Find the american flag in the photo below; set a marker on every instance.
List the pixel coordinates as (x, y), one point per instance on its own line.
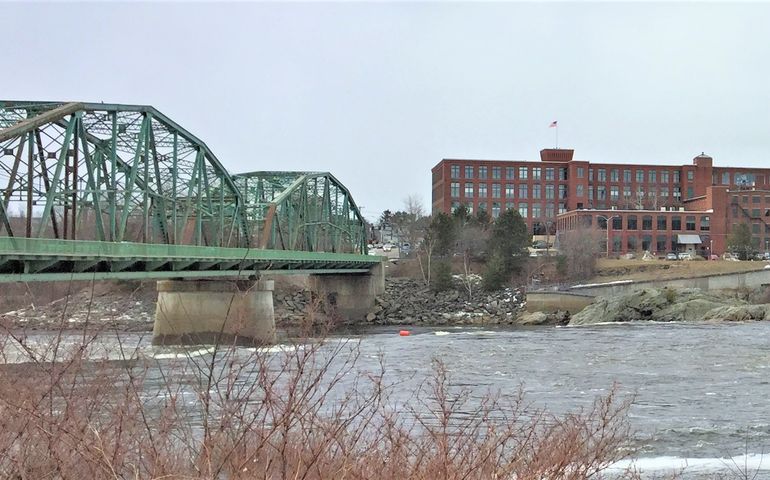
(553, 124)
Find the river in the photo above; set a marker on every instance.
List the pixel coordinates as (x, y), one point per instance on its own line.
(701, 390)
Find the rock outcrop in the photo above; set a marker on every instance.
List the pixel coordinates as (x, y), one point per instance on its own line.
(670, 305)
(410, 302)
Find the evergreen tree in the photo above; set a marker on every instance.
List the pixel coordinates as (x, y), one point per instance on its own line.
(739, 241)
(506, 248)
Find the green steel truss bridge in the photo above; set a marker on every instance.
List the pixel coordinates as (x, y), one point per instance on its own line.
(105, 191)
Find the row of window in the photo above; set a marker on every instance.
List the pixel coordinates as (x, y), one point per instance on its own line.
(600, 193)
(661, 223)
(525, 209)
(644, 242)
(480, 190)
(482, 172)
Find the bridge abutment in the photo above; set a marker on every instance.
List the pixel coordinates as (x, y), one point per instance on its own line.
(214, 311)
(350, 296)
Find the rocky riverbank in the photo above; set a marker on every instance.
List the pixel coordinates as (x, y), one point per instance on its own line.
(676, 305)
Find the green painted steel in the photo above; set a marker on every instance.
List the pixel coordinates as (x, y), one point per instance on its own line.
(112, 173)
(122, 191)
(311, 211)
(50, 258)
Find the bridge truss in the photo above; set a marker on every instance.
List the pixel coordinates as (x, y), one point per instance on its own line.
(118, 190)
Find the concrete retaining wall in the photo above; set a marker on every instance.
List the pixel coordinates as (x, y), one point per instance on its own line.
(752, 279)
(554, 301)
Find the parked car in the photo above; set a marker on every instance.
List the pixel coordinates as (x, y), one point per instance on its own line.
(684, 256)
(387, 247)
(671, 256)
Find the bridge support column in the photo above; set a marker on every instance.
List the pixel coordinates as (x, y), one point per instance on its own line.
(351, 296)
(214, 311)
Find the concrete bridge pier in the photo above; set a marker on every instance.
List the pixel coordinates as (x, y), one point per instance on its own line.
(194, 312)
(351, 296)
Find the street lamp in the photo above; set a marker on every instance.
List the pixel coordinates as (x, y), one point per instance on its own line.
(609, 223)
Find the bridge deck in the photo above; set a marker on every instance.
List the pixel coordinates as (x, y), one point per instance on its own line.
(31, 259)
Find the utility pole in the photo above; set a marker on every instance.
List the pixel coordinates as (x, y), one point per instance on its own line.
(609, 227)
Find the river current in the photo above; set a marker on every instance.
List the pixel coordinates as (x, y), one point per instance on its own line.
(701, 390)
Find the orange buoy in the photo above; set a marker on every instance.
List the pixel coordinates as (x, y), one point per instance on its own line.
(404, 333)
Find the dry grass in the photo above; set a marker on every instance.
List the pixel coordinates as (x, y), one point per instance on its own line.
(620, 269)
(308, 411)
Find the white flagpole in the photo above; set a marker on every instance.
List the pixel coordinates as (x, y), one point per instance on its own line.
(557, 135)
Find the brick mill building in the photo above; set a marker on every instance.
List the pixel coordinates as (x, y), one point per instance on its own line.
(658, 208)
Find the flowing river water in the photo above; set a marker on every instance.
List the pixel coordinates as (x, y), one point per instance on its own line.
(701, 390)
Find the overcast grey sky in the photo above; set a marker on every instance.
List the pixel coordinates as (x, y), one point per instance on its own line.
(378, 93)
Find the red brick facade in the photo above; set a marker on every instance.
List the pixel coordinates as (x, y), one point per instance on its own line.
(559, 193)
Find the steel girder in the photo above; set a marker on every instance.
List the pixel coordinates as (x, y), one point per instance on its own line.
(112, 173)
(309, 211)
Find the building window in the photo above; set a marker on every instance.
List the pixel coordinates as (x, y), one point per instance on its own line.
(523, 173)
(482, 190)
(468, 190)
(523, 191)
(626, 192)
(660, 243)
(626, 176)
(495, 209)
(510, 206)
(536, 210)
(549, 210)
(617, 243)
(496, 173)
(647, 222)
(639, 176)
(664, 176)
(509, 173)
(662, 223)
(601, 222)
(677, 176)
(469, 171)
(646, 242)
(602, 175)
(601, 193)
(726, 178)
(580, 172)
(755, 228)
(590, 193)
(631, 243)
(651, 176)
(562, 173)
(756, 199)
(614, 193)
(755, 213)
(664, 192)
(549, 192)
(705, 223)
(495, 190)
(455, 189)
(690, 193)
(536, 191)
(549, 173)
(562, 191)
(536, 173)
(631, 222)
(509, 191)
(690, 175)
(617, 222)
(482, 206)
(590, 174)
(676, 223)
(523, 210)
(579, 190)
(455, 171)
(455, 206)
(482, 173)
(677, 193)
(614, 175)
(562, 208)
